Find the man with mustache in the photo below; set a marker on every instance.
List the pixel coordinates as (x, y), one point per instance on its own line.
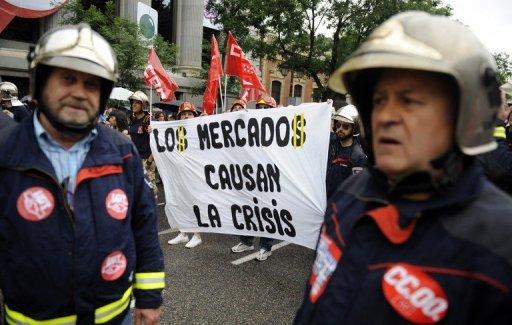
(139, 131)
(346, 157)
(78, 232)
(422, 236)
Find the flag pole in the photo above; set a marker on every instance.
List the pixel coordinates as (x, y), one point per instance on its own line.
(150, 103)
(220, 91)
(225, 92)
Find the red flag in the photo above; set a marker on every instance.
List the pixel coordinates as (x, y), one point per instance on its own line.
(251, 94)
(210, 94)
(155, 76)
(238, 65)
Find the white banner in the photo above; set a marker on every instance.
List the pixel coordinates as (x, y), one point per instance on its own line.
(258, 172)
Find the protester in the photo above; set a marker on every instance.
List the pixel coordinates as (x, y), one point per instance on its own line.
(345, 157)
(186, 111)
(160, 116)
(139, 131)
(247, 242)
(265, 101)
(10, 102)
(78, 229)
(238, 105)
(171, 117)
(498, 163)
(117, 120)
(423, 237)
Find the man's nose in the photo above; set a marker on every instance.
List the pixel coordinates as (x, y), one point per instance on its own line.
(79, 90)
(387, 113)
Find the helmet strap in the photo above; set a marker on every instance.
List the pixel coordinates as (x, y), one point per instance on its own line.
(452, 163)
(67, 128)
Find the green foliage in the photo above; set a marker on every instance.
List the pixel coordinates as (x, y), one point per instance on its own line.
(125, 38)
(504, 63)
(291, 30)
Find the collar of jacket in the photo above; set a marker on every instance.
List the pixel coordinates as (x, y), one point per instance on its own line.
(19, 149)
(370, 188)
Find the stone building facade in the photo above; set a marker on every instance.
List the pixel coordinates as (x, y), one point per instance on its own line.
(181, 22)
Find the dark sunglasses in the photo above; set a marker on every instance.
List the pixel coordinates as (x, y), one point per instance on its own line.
(344, 126)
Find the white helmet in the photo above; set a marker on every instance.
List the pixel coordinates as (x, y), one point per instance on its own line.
(344, 115)
(9, 92)
(74, 47)
(420, 41)
(139, 95)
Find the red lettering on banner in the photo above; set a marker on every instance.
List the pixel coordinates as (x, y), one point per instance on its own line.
(414, 294)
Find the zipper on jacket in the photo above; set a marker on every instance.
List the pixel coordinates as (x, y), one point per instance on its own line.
(71, 217)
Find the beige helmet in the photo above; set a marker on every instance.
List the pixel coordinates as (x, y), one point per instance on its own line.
(75, 47)
(343, 115)
(420, 41)
(8, 91)
(139, 95)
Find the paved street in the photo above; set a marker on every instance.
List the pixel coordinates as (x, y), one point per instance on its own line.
(204, 287)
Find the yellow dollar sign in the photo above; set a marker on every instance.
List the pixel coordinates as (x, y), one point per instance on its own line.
(182, 141)
(298, 128)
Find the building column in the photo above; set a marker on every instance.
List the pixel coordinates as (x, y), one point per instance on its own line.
(50, 22)
(128, 8)
(188, 15)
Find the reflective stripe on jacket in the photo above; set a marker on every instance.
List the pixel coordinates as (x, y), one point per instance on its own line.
(451, 256)
(81, 265)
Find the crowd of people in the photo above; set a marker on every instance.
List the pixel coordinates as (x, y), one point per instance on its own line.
(414, 229)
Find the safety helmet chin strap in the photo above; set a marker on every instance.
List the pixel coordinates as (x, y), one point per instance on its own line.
(68, 128)
(452, 163)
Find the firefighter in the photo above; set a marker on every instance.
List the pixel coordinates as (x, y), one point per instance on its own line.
(10, 102)
(497, 163)
(247, 242)
(186, 111)
(78, 233)
(423, 236)
(238, 105)
(265, 101)
(345, 157)
(139, 131)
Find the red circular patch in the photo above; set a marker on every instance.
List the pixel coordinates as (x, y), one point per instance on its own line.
(414, 294)
(117, 204)
(113, 266)
(35, 204)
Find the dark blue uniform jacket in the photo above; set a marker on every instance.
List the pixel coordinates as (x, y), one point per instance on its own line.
(78, 265)
(385, 260)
